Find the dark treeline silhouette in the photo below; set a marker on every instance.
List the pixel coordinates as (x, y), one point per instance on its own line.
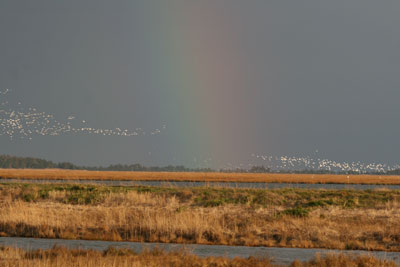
(8, 162)
(139, 167)
(394, 172)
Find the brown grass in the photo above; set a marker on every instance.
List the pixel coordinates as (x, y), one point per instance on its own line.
(60, 257)
(196, 176)
(152, 217)
(342, 260)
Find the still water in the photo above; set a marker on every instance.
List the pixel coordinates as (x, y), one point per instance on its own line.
(278, 255)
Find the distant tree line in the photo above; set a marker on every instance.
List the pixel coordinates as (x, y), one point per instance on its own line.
(139, 167)
(8, 162)
(393, 172)
(13, 162)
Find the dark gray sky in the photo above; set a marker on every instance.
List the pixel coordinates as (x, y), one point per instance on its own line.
(227, 78)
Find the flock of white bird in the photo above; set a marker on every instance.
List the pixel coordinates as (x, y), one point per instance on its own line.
(308, 163)
(17, 121)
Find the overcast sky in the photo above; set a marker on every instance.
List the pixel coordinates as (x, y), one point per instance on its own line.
(226, 79)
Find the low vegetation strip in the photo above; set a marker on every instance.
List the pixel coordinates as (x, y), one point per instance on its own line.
(196, 176)
(336, 219)
(288, 198)
(60, 256)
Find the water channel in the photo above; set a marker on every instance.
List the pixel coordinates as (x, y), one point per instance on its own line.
(283, 256)
(206, 184)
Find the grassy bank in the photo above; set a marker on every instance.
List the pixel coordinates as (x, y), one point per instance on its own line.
(337, 219)
(59, 257)
(197, 176)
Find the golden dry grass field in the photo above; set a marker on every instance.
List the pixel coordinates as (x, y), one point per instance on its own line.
(59, 174)
(333, 219)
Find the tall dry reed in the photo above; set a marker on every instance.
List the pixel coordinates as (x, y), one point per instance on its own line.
(60, 257)
(152, 217)
(197, 176)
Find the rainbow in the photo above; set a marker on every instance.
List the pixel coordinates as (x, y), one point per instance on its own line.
(201, 62)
